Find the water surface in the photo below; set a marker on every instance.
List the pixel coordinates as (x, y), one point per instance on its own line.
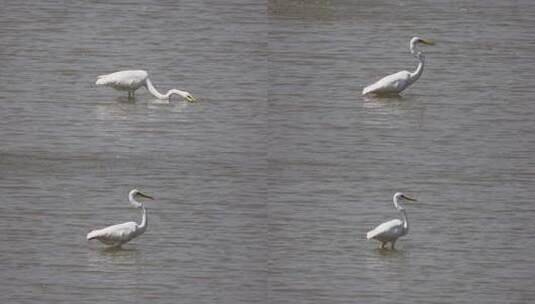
(265, 189)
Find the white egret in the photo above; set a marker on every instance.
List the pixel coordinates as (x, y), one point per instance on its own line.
(119, 234)
(390, 231)
(397, 82)
(132, 80)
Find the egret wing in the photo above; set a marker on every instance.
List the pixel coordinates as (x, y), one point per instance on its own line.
(116, 233)
(390, 84)
(386, 230)
(123, 79)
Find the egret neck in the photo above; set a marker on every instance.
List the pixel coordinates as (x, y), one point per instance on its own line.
(153, 90)
(405, 220)
(183, 94)
(412, 45)
(159, 95)
(419, 69)
(144, 222)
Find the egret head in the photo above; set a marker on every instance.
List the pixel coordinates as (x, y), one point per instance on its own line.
(402, 196)
(134, 194)
(189, 97)
(186, 95)
(415, 40)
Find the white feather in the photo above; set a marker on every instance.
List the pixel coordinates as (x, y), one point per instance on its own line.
(387, 231)
(391, 84)
(124, 80)
(132, 80)
(116, 234)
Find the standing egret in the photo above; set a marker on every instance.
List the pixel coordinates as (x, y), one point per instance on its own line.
(397, 82)
(119, 234)
(390, 231)
(132, 80)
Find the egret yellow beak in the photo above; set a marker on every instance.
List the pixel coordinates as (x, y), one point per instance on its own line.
(145, 195)
(426, 41)
(409, 198)
(191, 98)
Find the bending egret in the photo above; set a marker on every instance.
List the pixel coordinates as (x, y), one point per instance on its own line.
(119, 234)
(390, 231)
(132, 80)
(397, 82)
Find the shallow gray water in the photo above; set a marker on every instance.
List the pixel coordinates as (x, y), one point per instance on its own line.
(265, 189)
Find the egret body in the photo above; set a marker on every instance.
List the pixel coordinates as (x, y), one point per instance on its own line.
(132, 80)
(119, 234)
(390, 231)
(397, 82)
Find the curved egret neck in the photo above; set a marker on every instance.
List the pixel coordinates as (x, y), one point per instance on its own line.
(405, 221)
(419, 70)
(144, 222)
(183, 94)
(153, 90)
(159, 95)
(395, 200)
(412, 44)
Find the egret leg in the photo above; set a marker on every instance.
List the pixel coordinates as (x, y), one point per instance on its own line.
(383, 244)
(393, 244)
